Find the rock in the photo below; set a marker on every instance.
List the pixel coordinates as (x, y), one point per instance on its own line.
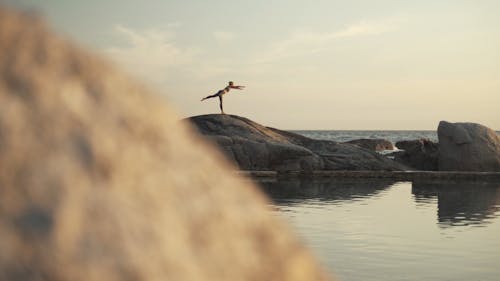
(373, 144)
(410, 144)
(256, 147)
(99, 180)
(421, 154)
(468, 147)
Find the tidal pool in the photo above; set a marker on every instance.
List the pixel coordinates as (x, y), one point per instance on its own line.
(382, 230)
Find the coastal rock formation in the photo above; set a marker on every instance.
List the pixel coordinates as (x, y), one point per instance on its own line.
(410, 144)
(255, 147)
(99, 180)
(468, 147)
(421, 154)
(373, 144)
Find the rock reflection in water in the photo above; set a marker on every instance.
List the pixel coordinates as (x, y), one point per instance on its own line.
(466, 203)
(377, 227)
(458, 203)
(294, 190)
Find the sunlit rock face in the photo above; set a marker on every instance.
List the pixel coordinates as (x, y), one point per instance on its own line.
(99, 180)
(468, 147)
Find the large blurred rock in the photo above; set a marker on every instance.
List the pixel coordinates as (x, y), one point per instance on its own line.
(468, 147)
(99, 180)
(421, 154)
(255, 147)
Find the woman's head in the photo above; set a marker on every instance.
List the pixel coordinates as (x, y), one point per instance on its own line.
(230, 83)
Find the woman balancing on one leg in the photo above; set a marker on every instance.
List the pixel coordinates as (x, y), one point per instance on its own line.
(223, 92)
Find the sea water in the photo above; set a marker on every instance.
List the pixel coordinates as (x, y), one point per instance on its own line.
(393, 136)
(387, 230)
(383, 230)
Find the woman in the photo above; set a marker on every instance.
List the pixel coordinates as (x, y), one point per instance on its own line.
(222, 92)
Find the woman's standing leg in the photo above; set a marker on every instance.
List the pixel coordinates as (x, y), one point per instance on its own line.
(220, 104)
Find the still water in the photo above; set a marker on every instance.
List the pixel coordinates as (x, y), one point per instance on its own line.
(383, 230)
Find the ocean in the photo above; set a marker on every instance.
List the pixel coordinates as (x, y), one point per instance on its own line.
(343, 136)
(390, 135)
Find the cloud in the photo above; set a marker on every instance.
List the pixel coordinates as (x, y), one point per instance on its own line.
(305, 42)
(365, 28)
(223, 36)
(152, 53)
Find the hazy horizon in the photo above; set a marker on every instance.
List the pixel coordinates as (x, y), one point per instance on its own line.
(327, 65)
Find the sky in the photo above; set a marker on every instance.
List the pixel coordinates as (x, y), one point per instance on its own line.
(331, 65)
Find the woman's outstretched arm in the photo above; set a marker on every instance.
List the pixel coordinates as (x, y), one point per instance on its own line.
(237, 87)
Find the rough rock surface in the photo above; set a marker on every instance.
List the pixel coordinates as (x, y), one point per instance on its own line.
(99, 180)
(468, 147)
(421, 154)
(373, 144)
(255, 147)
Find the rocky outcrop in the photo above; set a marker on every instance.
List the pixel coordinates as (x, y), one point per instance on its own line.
(373, 144)
(255, 147)
(99, 180)
(468, 147)
(419, 154)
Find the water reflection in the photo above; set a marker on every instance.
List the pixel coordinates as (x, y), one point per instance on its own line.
(292, 191)
(458, 203)
(391, 230)
(461, 204)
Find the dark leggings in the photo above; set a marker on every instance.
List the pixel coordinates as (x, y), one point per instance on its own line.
(212, 96)
(218, 94)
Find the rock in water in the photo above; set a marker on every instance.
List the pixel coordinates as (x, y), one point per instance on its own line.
(373, 144)
(468, 147)
(255, 147)
(99, 180)
(421, 154)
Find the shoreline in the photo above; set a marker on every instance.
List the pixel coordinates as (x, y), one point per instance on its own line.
(396, 175)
